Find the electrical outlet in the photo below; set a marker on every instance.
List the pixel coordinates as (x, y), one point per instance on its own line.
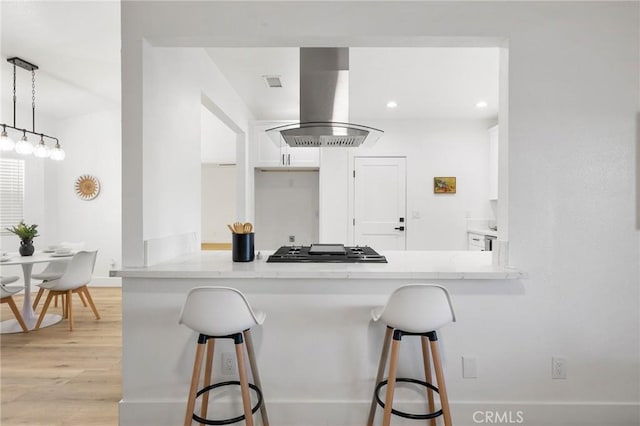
(228, 363)
(469, 367)
(292, 238)
(558, 368)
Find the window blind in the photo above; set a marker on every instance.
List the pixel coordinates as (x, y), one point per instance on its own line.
(11, 192)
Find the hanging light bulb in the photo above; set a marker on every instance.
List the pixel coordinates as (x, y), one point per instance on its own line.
(6, 143)
(23, 146)
(41, 150)
(57, 153)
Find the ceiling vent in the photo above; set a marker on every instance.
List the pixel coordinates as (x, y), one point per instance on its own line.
(273, 80)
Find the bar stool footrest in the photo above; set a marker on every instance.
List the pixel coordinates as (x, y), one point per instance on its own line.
(232, 420)
(402, 413)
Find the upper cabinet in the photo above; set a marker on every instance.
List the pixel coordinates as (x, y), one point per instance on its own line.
(271, 154)
(493, 163)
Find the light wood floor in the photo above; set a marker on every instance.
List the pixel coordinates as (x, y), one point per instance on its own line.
(57, 377)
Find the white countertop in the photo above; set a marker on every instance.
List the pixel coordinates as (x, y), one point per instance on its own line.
(401, 264)
(482, 231)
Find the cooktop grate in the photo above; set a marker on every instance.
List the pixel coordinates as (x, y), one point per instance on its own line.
(326, 253)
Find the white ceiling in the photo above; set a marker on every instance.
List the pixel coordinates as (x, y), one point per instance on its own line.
(77, 47)
(425, 82)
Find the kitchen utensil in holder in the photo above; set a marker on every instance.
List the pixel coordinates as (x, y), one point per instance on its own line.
(242, 247)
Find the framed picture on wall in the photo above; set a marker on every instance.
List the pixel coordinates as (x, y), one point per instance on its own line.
(444, 185)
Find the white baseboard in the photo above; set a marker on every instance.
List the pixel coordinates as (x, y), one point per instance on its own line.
(105, 282)
(354, 413)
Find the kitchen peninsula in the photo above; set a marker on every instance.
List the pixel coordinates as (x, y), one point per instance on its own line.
(317, 350)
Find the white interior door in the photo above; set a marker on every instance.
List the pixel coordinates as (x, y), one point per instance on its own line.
(380, 202)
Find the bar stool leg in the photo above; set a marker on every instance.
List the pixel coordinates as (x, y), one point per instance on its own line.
(428, 377)
(244, 384)
(195, 378)
(207, 377)
(391, 383)
(444, 399)
(381, 367)
(254, 372)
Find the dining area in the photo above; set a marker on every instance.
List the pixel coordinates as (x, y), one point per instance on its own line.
(68, 269)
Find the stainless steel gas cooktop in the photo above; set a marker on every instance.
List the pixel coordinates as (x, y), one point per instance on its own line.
(326, 253)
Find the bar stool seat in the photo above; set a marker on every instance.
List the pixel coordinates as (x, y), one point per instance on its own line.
(222, 313)
(413, 310)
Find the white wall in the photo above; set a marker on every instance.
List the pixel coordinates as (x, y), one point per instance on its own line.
(286, 204)
(174, 81)
(433, 148)
(218, 142)
(92, 144)
(573, 98)
(218, 202)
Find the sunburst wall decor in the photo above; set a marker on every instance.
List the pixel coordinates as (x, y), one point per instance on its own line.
(87, 187)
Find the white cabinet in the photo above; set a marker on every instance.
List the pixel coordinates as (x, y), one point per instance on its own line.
(493, 163)
(475, 242)
(272, 154)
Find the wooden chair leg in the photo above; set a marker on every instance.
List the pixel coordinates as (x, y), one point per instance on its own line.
(442, 388)
(16, 313)
(207, 378)
(255, 374)
(84, 302)
(86, 292)
(195, 378)
(381, 367)
(65, 313)
(391, 384)
(428, 377)
(44, 310)
(244, 384)
(55, 301)
(38, 296)
(69, 300)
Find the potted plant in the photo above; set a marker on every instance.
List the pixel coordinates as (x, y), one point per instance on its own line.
(26, 233)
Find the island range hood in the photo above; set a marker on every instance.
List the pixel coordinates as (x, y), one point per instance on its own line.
(324, 103)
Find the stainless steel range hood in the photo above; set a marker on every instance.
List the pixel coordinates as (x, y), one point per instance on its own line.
(324, 103)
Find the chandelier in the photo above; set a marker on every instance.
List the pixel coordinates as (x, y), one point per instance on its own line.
(23, 146)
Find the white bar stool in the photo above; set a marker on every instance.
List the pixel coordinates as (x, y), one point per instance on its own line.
(222, 313)
(413, 310)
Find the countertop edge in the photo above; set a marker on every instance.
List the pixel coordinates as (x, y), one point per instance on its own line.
(409, 265)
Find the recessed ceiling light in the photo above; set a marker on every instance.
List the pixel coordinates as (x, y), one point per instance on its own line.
(392, 104)
(482, 104)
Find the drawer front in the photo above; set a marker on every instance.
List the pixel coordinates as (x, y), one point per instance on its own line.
(475, 242)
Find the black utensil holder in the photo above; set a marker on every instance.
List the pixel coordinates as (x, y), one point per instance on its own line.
(242, 247)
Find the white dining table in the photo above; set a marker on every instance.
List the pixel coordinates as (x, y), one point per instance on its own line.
(28, 314)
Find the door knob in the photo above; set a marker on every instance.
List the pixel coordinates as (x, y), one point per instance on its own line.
(400, 228)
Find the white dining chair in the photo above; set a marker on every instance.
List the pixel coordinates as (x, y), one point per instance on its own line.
(6, 296)
(53, 271)
(74, 280)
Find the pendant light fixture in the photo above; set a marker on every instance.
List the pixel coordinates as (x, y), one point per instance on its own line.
(23, 146)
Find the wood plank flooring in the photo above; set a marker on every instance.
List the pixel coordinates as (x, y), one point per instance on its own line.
(57, 377)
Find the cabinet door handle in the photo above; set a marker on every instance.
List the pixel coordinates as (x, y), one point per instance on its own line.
(476, 239)
(289, 159)
(400, 228)
(283, 160)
